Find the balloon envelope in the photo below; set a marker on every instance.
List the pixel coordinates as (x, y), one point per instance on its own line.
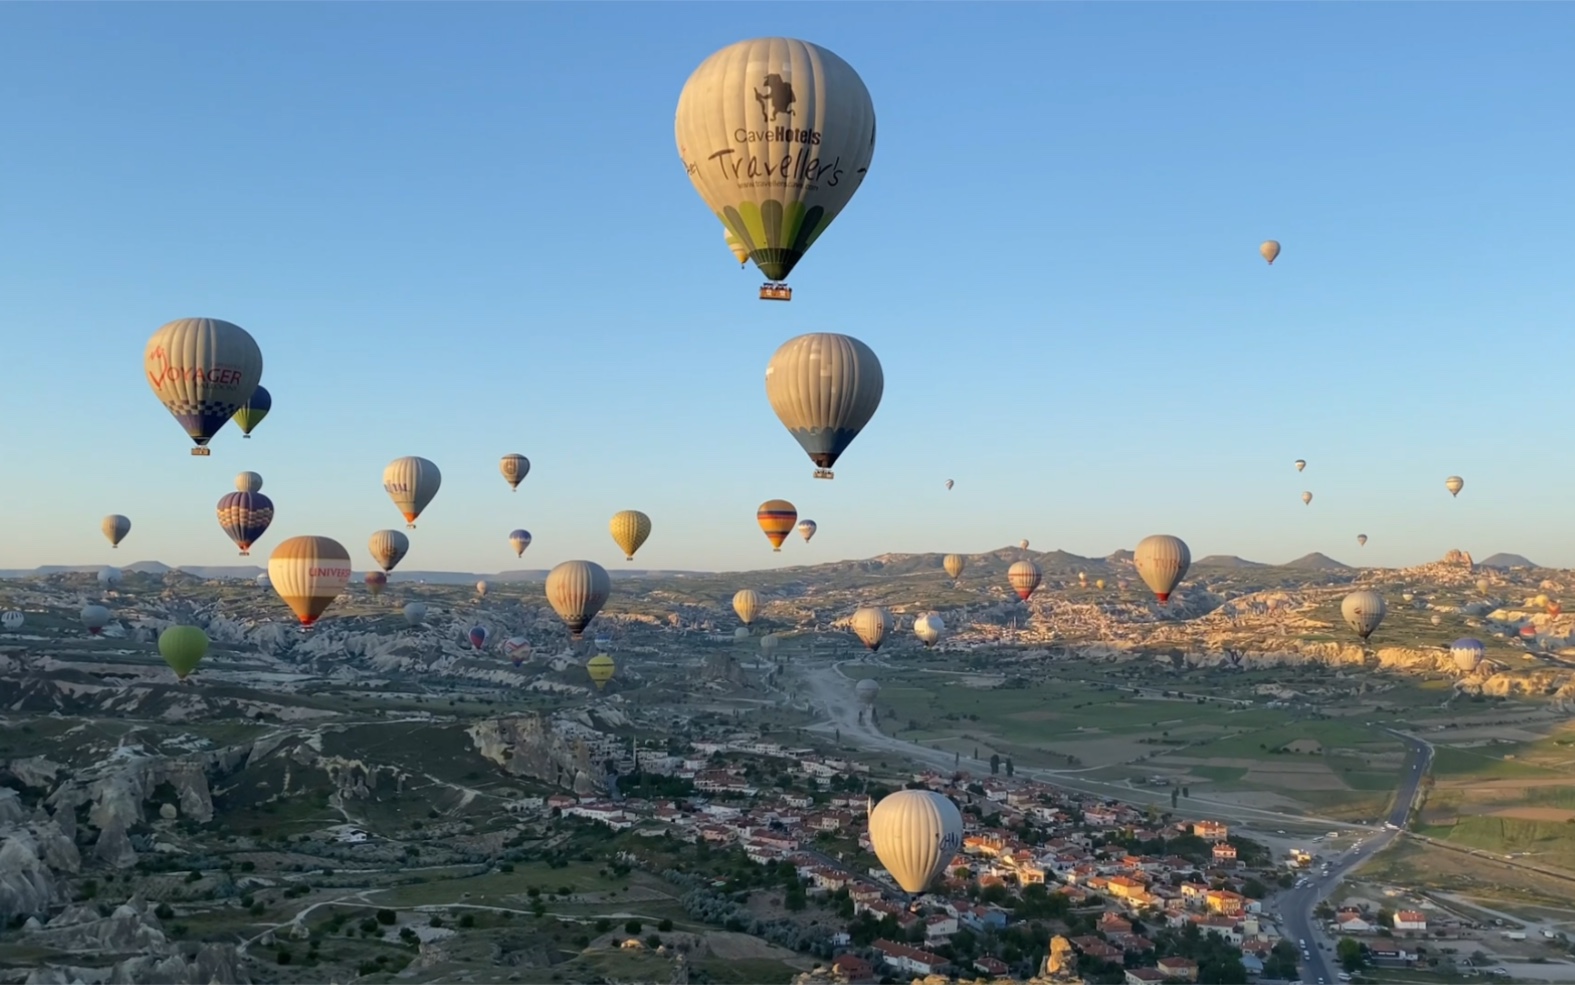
(928, 628)
(1454, 484)
(482, 587)
(1162, 561)
(248, 482)
(629, 529)
(183, 647)
(12, 620)
(954, 565)
(915, 833)
(388, 548)
(115, 528)
(577, 590)
(1361, 540)
(478, 637)
(746, 602)
(411, 482)
(806, 529)
(415, 612)
(515, 467)
(94, 618)
(600, 668)
(867, 691)
(1024, 577)
(1467, 653)
(244, 517)
(375, 582)
(1363, 611)
(824, 389)
(202, 370)
(252, 412)
(776, 518)
(776, 135)
(1269, 250)
(108, 576)
(308, 573)
(1306, 498)
(1301, 463)
(871, 624)
(520, 539)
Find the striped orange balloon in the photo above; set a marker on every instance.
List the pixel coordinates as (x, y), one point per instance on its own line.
(777, 518)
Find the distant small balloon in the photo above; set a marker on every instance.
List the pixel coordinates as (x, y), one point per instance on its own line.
(950, 483)
(1361, 540)
(1363, 611)
(481, 588)
(928, 628)
(1023, 544)
(954, 565)
(415, 612)
(12, 621)
(375, 582)
(1269, 250)
(1301, 463)
(248, 482)
(776, 518)
(1307, 499)
(806, 529)
(115, 527)
(1024, 577)
(519, 539)
(1454, 484)
(515, 467)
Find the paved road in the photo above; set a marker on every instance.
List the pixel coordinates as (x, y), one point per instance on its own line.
(1296, 906)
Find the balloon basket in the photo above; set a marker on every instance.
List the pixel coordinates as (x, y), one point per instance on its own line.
(775, 292)
(247, 437)
(824, 474)
(201, 452)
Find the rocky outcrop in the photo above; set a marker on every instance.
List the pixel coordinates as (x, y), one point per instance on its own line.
(528, 745)
(34, 857)
(209, 963)
(113, 847)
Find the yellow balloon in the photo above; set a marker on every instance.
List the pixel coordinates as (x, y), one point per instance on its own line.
(630, 528)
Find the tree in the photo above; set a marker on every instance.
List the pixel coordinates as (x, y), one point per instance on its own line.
(1009, 768)
(1349, 951)
(632, 927)
(995, 763)
(1175, 795)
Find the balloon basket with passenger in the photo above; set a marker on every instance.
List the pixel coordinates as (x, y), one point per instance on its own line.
(772, 291)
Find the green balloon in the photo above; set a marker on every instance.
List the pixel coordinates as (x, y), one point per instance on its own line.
(183, 648)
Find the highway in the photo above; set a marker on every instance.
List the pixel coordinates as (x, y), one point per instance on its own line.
(1295, 906)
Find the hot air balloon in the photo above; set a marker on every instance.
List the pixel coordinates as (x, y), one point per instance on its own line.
(776, 517)
(600, 668)
(251, 413)
(478, 637)
(915, 833)
(824, 388)
(94, 618)
(741, 633)
(776, 135)
(1363, 611)
(1436, 619)
(202, 370)
(1099, 583)
(1301, 463)
(376, 581)
(388, 548)
(736, 246)
(263, 581)
(115, 527)
(1306, 499)
(244, 517)
(411, 483)
(954, 565)
(1467, 653)
(577, 590)
(629, 529)
(515, 467)
(746, 602)
(1162, 561)
(12, 621)
(871, 624)
(1553, 608)
(806, 529)
(949, 484)
(308, 573)
(183, 647)
(1024, 576)
(1269, 250)
(248, 482)
(928, 628)
(1454, 484)
(481, 588)
(1023, 544)
(519, 539)
(867, 691)
(1483, 585)
(517, 649)
(1082, 578)
(108, 576)
(769, 644)
(415, 613)
(1361, 540)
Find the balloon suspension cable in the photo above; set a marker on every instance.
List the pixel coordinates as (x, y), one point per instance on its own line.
(824, 474)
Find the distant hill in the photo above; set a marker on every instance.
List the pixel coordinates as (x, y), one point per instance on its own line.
(1232, 561)
(1317, 562)
(251, 571)
(1506, 561)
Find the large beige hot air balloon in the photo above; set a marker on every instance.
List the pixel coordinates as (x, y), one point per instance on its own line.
(915, 833)
(577, 590)
(746, 602)
(1269, 250)
(824, 388)
(769, 644)
(1024, 576)
(1363, 611)
(928, 628)
(776, 135)
(515, 467)
(629, 529)
(867, 690)
(388, 548)
(115, 527)
(954, 565)
(308, 573)
(871, 624)
(411, 482)
(1454, 484)
(1162, 561)
(202, 370)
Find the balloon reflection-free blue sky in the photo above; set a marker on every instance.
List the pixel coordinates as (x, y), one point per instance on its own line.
(463, 230)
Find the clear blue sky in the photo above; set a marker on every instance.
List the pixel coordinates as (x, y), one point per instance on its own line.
(464, 230)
